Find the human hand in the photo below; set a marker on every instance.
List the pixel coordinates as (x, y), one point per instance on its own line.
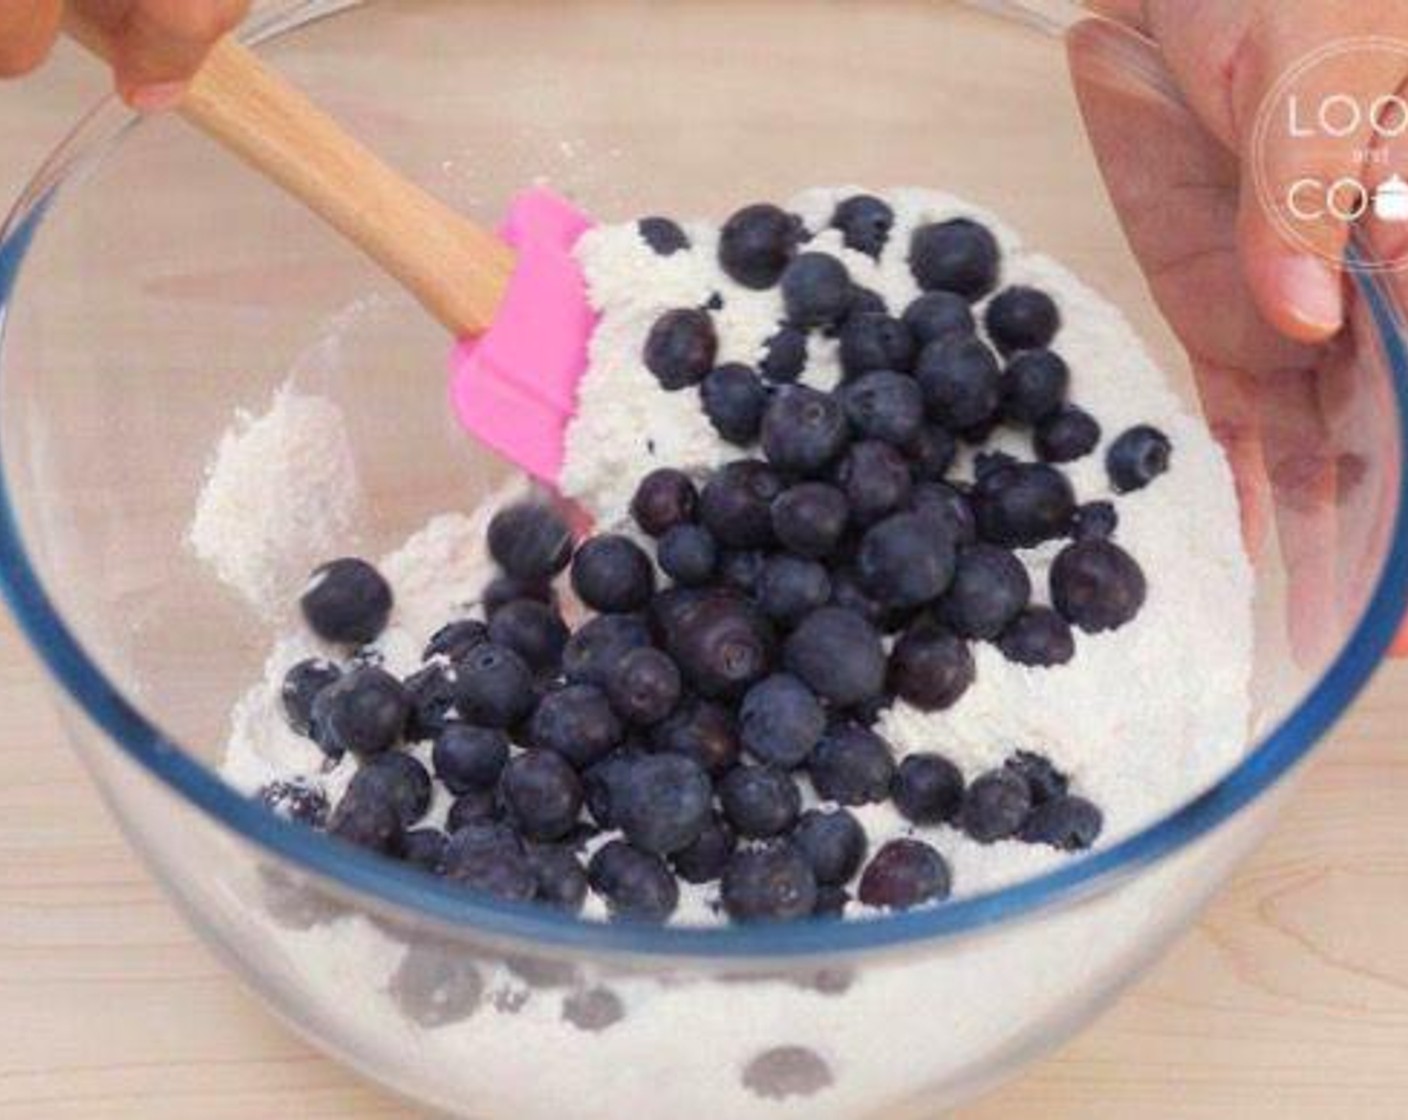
(1281, 346)
(156, 46)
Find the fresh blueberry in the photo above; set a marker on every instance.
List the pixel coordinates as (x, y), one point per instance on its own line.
(704, 731)
(1097, 586)
(876, 481)
(612, 574)
(871, 342)
(931, 452)
(936, 316)
(816, 290)
(1020, 318)
(905, 874)
(1024, 505)
(789, 588)
(1034, 386)
(592, 652)
(847, 594)
(476, 807)
(736, 504)
(831, 902)
(601, 785)
(562, 881)
(734, 399)
(663, 803)
(810, 519)
(757, 243)
(781, 721)
(425, 848)
(803, 430)
(784, 355)
(773, 883)
(530, 541)
(930, 667)
(838, 655)
(996, 806)
(369, 820)
(300, 689)
(852, 766)
(348, 602)
(297, 801)
(665, 498)
(1138, 457)
(532, 630)
(488, 856)
(644, 687)
(1045, 781)
(576, 722)
(741, 568)
(928, 789)
(760, 801)
(950, 508)
(681, 348)
(1068, 434)
(985, 462)
(502, 590)
(1071, 824)
(688, 555)
(834, 843)
(665, 237)
(397, 778)
(1038, 638)
(704, 860)
(455, 639)
(990, 588)
(1096, 521)
(905, 561)
(637, 886)
(961, 381)
(542, 795)
(958, 256)
(495, 686)
(364, 712)
(722, 644)
(867, 301)
(865, 223)
(885, 406)
(468, 758)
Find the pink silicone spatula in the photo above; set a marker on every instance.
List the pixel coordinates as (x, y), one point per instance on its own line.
(515, 302)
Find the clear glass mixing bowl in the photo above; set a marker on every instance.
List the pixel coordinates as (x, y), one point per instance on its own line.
(152, 287)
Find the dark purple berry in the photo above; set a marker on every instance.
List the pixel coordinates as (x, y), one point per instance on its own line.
(1070, 824)
(532, 630)
(905, 874)
(1020, 318)
(612, 574)
(950, 508)
(784, 355)
(962, 382)
(500, 591)
(1023, 506)
(704, 860)
(760, 801)
(703, 731)
(833, 842)
(865, 223)
(773, 883)
(601, 785)
(831, 903)
(364, 712)
(665, 498)
(592, 652)
(1097, 586)
(757, 243)
(876, 481)
(874, 341)
(489, 857)
(886, 406)
(455, 639)
(996, 806)
(688, 555)
(562, 881)
(1045, 781)
(838, 655)
(300, 689)
(468, 758)
(397, 778)
(803, 430)
(722, 644)
(990, 588)
(789, 588)
(958, 256)
(816, 290)
(936, 316)
(734, 399)
(928, 789)
(1034, 386)
(665, 237)
(930, 667)
(1138, 457)
(347, 601)
(1068, 434)
(542, 795)
(637, 886)
(663, 802)
(495, 686)
(931, 453)
(736, 504)
(479, 806)
(866, 301)
(852, 766)
(576, 722)
(645, 687)
(681, 348)
(530, 541)
(369, 820)
(741, 569)
(425, 848)
(1039, 638)
(1096, 521)
(781, 721)
(905, 561)
(810, 519)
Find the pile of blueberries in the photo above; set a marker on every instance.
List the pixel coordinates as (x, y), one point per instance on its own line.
(807, 586)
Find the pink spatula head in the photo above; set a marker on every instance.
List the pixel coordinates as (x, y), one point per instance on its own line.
(514, 387)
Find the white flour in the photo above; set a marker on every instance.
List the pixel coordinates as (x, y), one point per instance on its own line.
(1142, 718)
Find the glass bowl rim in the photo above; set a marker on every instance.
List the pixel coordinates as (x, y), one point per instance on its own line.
(388, 884)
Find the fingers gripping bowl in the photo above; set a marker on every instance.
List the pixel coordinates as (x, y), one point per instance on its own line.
(136, 323)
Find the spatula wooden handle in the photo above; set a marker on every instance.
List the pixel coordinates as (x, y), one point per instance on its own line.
(457, 270)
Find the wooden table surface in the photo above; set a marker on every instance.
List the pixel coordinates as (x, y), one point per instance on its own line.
(1288, 1002)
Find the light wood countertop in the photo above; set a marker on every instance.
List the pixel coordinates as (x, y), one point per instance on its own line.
(1288, 1002)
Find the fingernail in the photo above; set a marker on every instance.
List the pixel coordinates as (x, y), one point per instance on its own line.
(157, 96)
(1314, 292)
